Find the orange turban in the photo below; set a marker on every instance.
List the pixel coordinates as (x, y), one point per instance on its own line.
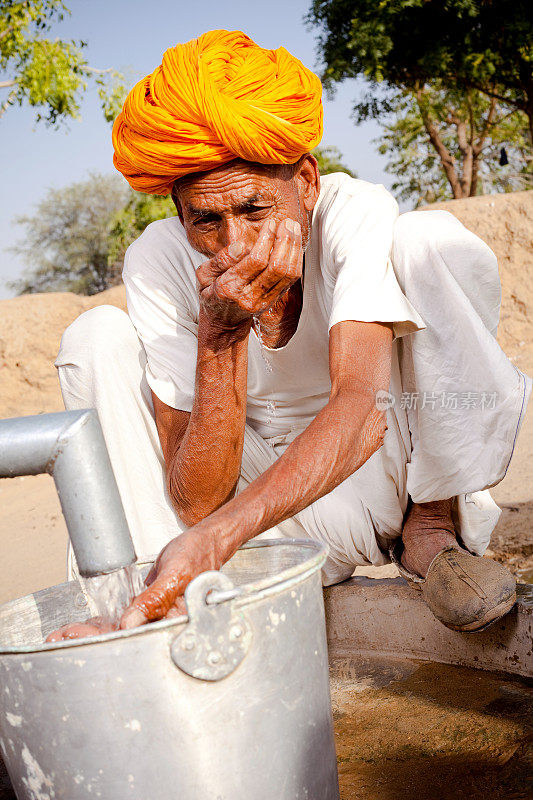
(216, 98)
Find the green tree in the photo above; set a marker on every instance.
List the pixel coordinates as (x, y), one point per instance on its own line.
(131, 220)
(479, 44)
(330, 160)
(447, 143)
(67, 241)
(48, 74)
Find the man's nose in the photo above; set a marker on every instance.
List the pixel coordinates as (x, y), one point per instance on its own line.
(237, 230)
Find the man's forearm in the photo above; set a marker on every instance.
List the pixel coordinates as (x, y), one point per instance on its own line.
(336, 443)
(205, 468)
(333, 447)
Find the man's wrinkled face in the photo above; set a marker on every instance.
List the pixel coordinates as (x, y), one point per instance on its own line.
(231, 203)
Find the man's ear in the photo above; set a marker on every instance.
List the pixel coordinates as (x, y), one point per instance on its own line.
(307, 179)
(176, 201)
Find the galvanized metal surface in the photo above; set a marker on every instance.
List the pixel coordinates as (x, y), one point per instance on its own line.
(217, 637)
(71, 447)
(122, 721)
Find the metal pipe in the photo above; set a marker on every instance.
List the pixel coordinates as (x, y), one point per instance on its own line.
(71, 447)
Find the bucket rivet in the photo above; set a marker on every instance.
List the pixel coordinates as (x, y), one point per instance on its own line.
(235, 632)
(214, 657)
(187, 643)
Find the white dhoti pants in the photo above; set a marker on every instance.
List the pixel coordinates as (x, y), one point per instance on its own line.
(453, 412)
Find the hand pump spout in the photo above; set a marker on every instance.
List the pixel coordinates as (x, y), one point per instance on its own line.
(71, 447)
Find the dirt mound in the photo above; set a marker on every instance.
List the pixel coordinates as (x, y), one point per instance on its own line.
(30, 331)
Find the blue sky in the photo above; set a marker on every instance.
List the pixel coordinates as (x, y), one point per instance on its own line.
(132, 35)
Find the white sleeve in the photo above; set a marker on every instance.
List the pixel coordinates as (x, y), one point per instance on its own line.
(356, 244)
(161, 310)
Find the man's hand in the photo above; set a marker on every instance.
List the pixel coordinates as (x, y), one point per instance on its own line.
(342, 437)
(80, 630)
(182, 559)
(238, 284)
(234, 286)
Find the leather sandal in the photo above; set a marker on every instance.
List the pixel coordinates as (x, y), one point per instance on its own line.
(465, 592)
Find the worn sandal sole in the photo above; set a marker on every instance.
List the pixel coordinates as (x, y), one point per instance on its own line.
(490, 617)
(416, 582)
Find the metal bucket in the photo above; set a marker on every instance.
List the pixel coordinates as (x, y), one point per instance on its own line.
(229, 703)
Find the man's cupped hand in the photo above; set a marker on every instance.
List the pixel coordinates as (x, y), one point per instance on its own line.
(240, 283)
(185, 557)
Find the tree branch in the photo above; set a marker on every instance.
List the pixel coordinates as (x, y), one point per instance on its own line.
(462, 138)
(471, 120)
(465, 139)
(491, 93)
(454, 119)
(475, 177)
(468, 158)
(447, 160)
(488, 122)
(5, 84)
(7, 103)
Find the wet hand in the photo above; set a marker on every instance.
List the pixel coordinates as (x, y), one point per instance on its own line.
(238, 284)
(80, 630)
(179, 562)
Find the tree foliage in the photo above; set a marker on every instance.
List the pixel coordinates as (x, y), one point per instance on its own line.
(48, 74)
(446, 143)
(67, 241)
(131, 220)
(330, 160)
(481, 44)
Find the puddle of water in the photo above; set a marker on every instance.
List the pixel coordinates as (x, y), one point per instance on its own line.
(525, 575)
(406, 729)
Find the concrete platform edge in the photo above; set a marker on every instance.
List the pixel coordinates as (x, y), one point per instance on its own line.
(366, 615)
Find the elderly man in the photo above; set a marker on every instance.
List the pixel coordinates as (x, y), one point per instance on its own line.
(299, 360)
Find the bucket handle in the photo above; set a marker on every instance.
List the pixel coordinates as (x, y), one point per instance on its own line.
(216, 638)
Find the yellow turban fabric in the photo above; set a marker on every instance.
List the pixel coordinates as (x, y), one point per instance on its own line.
(216, 98)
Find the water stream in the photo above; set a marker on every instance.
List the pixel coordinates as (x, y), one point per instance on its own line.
(109, 595)
(270, 404)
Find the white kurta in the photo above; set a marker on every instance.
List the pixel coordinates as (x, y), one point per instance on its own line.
(348, 275)
(455, 404)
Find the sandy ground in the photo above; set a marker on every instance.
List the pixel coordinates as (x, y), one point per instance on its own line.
(32, 530)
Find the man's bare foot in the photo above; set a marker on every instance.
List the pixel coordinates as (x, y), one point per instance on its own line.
(427, 529)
